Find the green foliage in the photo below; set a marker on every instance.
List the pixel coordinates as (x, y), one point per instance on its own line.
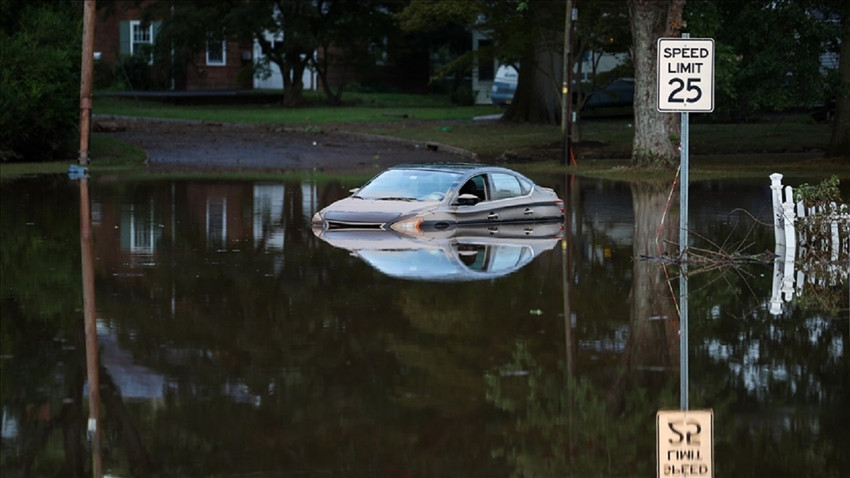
(463, 96)
(767, 54)
(819, 194)
(137, 73)
(39, 82)
(821, 254)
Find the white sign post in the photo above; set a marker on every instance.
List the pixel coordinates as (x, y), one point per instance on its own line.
(686, 75)
(685, 443)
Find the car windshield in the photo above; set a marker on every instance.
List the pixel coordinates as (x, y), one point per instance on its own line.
(409, 185)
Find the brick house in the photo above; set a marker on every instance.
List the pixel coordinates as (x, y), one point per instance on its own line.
(119, 31)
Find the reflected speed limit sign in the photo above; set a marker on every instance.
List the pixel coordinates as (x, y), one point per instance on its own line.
(686, 75)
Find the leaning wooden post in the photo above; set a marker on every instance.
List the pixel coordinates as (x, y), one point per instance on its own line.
(86, 75)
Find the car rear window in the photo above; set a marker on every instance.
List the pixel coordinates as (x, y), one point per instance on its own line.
(506, 186)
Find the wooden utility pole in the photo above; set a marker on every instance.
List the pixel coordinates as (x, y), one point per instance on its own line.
(86, 75)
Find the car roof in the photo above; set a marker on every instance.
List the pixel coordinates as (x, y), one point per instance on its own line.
(454, 167)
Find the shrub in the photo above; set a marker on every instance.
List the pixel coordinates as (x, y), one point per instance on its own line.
(104, 77)
(463, 96)
(39, 84)
(136, 73)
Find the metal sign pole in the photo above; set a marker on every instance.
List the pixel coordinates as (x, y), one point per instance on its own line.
(683, 257)
(683, 267)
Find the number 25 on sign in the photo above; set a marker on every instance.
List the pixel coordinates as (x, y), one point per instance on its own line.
(686, 75)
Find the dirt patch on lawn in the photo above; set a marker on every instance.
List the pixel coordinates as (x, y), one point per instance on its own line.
(191, 145)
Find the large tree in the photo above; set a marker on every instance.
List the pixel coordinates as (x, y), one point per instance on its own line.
(602, 29)
(768, 53)
(526, 34)
(538, 33)
(289, 33)
(656, 135)
(188, 25)
(353, 38)
(769, 57)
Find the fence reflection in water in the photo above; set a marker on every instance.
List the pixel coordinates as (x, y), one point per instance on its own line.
(823, 234)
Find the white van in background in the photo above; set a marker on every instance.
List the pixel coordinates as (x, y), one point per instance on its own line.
(504, 86)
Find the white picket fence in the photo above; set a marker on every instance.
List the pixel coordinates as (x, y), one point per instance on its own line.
(817, 238)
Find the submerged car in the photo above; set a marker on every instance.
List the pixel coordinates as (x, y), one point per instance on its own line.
(410, 199)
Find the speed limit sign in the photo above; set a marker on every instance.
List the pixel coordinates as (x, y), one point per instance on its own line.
(686, 75)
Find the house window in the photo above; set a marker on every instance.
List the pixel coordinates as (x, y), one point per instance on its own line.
(216, 51)
(141, 39)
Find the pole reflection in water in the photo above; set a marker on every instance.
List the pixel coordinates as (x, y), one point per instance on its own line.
(86, 249)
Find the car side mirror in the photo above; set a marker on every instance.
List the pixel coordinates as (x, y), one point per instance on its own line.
(353, 190)
(467, 200)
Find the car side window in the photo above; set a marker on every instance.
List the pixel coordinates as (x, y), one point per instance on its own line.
(505, 186)
(476, 186)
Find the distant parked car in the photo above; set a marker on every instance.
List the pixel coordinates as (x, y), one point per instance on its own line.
(410, 199)
(504, 86)
(620, 92)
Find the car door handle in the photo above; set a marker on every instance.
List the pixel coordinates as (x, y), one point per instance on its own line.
(492, 216)
(528, 211)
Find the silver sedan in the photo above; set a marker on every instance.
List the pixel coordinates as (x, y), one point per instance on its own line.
(410, 199)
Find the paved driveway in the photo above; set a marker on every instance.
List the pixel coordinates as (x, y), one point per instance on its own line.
(188, 145)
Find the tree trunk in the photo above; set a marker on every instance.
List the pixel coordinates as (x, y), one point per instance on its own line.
(839, 144)
(291, 67)
(537, 97)
(293, 86)
(656, 135)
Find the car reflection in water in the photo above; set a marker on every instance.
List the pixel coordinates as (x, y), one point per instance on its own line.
(464, 253)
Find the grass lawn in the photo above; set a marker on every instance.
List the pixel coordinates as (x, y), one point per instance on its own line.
(112, 156)
(789, 142)
(359, 108)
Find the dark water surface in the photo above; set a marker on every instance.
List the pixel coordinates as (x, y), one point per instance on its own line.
(234, 342)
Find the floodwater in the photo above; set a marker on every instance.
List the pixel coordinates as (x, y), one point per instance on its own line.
(228, 340)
